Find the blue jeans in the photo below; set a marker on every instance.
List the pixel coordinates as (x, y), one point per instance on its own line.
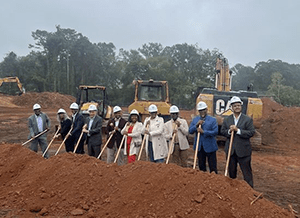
(151, 155)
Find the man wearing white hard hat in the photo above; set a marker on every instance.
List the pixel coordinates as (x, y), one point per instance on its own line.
(156, 144)
(243, 129)
(37, 123)
(133, 132)
(207, 126)
(65, 126)
(93, 128)
(77, 123)
(114, 126)
(179, 127)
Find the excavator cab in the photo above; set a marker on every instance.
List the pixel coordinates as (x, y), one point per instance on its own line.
(96, 95)
(149, 92)
(7, 86)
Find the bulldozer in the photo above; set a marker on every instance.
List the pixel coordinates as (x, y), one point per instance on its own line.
(21, 89)
(95, 95)
(218, 99)
(149, 92)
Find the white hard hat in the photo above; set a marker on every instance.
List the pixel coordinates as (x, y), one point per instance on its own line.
(61, 111)
(174, 109)
(201, 106)
(152, 108)
(235, 99)
(92, 107)
(36, 106)
(134, 111)
(74, 106)
(116, 109)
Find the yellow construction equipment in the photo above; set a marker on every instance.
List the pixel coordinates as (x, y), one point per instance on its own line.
(149, 92)
(12, 80)
(217, 99)
(95, 95)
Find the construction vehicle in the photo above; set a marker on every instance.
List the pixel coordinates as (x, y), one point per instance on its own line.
(151, 92)
(218, 98)
(21, 89)
(95, 95)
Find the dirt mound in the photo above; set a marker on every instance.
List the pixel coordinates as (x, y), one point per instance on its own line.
(280, 125)
(270, 106)
(6, 101)
(70, 184)
(45, 99)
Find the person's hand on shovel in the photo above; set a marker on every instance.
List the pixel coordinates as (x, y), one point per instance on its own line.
(84, 129)
(200, 122)
(233, 128)
(199, 129)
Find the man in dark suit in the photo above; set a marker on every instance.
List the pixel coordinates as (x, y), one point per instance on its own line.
(93, 130)
(243, 128)
(77, 123)
(115, 126)
(37, 123)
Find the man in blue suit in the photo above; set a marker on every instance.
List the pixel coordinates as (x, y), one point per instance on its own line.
(208, 128)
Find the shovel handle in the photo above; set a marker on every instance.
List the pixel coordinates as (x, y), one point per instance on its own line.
(38, 135)
(171, 146)
(67, 136)
(105, 145)
(51, 142)
(229, 153)
(143, 143)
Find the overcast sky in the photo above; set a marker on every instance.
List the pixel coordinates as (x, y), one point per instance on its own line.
(245, 31)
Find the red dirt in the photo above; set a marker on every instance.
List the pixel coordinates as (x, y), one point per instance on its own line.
(276, 167)
(45, 99)
(71, 184)
(280, 125)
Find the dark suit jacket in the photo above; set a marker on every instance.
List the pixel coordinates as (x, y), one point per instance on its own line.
(241, 143)
(117, 136)
(77, 125)
(65, 127)
(94, 138)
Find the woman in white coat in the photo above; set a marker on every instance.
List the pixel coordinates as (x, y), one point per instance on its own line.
(132, 130)
(156, 144)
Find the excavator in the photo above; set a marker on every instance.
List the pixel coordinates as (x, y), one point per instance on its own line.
(151, 92)
(218, 98)
(13, 80)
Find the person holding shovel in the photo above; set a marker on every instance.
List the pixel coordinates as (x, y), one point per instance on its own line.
(156, 144)
(207, 126)
(37, 123)
(93, 128)
(114, 126)
(77, 122)
(133, 132)
(180, 128)
(65, 126)
(241, 151)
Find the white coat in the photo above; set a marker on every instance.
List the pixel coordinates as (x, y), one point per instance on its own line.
(182, 132)
(159, 143)
(136, 138)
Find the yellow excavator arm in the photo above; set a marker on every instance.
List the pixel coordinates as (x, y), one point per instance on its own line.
(12, 80)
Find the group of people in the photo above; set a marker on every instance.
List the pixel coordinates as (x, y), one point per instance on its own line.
(158, 136)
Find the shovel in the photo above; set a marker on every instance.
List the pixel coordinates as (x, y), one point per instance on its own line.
(51, 141)
(171, 147)
(38, 135)
(67, 136)
(229, 153)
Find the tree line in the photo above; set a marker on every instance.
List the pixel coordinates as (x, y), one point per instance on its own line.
(62, 60)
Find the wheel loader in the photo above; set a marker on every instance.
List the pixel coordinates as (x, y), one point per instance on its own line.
(217, 99)
(95, 95)
(149, 92)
